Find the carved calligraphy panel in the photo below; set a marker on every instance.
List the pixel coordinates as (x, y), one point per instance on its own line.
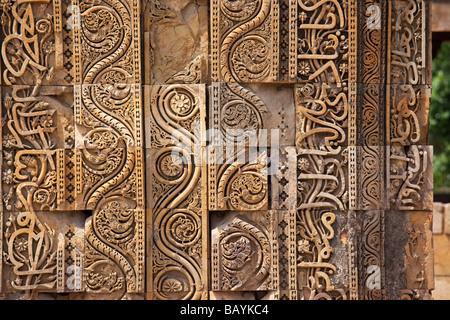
(37, 134)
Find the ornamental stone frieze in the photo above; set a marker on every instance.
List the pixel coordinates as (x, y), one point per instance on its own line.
(215, 149)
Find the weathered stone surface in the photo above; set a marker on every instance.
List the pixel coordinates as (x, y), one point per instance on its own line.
(411, 260)
(194, 149)
(440, 12)
(442, 288)
(237, 181)
(178, 35)
(447, 220)
(441, 252)
(441, 255)
(438, 218)
(267, 112)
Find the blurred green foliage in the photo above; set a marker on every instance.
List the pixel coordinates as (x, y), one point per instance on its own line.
(440, 119)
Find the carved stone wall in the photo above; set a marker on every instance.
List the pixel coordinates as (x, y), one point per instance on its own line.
(181, 149)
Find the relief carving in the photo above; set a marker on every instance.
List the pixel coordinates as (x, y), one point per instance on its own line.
(243, 254)
(33, 171)
(178, 150)
(408, 104)
(177, 118)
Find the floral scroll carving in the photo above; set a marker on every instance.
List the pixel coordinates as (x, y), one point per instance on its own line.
(177, 115)
(222, 149)
(242, 253)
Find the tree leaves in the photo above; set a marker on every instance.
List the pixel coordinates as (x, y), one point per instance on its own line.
(440, 119)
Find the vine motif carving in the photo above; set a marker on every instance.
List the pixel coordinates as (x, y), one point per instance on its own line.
(371, 132)
(179, 234)
(178, 114)
(107, 113)
(372, 280)
(192, 74)
(114, 226)
(243, 246)
(239, 186)
(236, 115)
(245, 53)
